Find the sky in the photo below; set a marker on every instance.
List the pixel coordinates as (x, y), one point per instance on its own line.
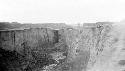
(61, 11)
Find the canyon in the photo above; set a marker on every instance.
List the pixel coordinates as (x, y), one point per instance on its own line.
(90, 47)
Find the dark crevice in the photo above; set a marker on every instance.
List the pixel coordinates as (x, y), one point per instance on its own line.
(47, 36)
(56, 36)
(14, 38)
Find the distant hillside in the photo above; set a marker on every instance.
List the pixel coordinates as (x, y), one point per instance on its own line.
(43, 25)
(16, 25)
(7, 25)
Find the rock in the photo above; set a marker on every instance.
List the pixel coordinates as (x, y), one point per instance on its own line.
(65, 49)
(35, 44)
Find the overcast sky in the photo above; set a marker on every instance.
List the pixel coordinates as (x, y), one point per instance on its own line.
(64, 11)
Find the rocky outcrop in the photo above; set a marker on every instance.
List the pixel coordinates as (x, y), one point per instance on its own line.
(47, 49)
(33, 44)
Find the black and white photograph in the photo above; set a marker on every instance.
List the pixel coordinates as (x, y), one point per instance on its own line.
(62, 35)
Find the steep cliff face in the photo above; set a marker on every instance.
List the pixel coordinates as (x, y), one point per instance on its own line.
(45, 49)
(34, 44)
(34, 38)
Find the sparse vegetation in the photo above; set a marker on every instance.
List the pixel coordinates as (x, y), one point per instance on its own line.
(64, 49)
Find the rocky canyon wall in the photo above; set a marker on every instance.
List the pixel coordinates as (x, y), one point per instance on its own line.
(67, 49)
